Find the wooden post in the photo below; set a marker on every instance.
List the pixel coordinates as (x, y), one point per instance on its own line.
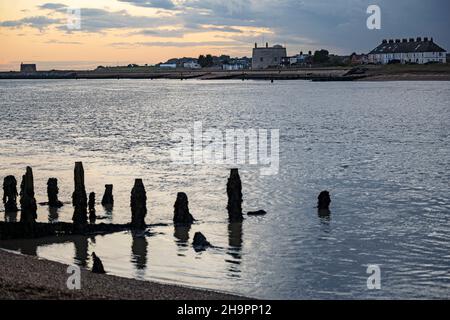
(10, 194)
(234, 192)
(91, 203)
(138, 204)
(52, 193)
(108, 199)
(27, 200)
(181, 210)
(323, 200)
(79, 197)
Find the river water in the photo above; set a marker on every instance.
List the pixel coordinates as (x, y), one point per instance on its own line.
(382, 149)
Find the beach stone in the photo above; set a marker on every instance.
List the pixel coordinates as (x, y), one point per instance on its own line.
(108, 198)
(10, 194)
(181, 210)
(79, 197)
(138, 205)
(234, 192)
(91, 204)
(200, 243)
(97, 265)
(324, 200)
(27, 201)
(257, 213)
(52, 193)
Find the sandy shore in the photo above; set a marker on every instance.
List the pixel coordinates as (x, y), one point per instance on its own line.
(30, 278)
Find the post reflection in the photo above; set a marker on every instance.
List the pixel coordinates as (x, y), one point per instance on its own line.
(325, 219)
(81, 244)
(11, 216)
(181, 235)
(139, 249)
(53, 215)
(234, 248)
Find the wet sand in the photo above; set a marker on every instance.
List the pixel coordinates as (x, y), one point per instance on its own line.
(30, 278)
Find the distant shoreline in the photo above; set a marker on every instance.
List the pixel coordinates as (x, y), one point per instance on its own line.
(31, 278)
(434, 72)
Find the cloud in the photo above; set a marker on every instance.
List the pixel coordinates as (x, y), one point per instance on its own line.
(177, 44)
(300, 24)
(52, 6)
(38, 22)
(160, 4)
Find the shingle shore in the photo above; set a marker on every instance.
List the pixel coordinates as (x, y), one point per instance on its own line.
(30, 278)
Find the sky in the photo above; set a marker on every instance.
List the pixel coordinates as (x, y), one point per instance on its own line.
(118, 32)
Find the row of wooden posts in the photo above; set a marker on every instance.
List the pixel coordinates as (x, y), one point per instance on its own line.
(138, 201)
(84, 205)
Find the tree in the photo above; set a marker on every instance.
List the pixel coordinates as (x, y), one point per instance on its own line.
(205, 62)
(321, 56)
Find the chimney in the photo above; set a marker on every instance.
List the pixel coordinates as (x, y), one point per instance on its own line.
(267, 44)
(419, 39)
(411, 39)
(405, 40)
(301, 53)
(310, 52)
(431, 40)
(397, 40)
(425, 39)
(384, 41)
(256, 45)
(391, 41)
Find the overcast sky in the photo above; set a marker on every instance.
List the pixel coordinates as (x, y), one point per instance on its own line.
(150, 31)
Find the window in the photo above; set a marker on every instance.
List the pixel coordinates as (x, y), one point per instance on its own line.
(261, 59)
(276, 59)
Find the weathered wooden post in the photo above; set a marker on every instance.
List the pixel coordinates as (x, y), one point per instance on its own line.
(91, 204)
(27, 200)
(52, 193)
(138, 204)
(324, 200)
(10, 194)
(200, 242)
(181, 210)
(97, 266)
(108, 199)
(79, 197)
(234, 192)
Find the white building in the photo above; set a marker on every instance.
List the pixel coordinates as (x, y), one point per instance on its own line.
(231, 67)
(408, 51)
(191, 65)
(168, 66)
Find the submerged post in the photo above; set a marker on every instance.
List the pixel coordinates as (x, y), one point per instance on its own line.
(108, 199)
(138, 205)
(234, 192)
(27, 200)
(79, 197)
(10, 194)
(181, 210)
(324, 200)
(91, 203)
(52, 193)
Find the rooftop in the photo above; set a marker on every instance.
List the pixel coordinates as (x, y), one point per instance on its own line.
(412, 45)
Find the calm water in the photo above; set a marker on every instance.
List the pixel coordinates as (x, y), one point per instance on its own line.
(382, 149)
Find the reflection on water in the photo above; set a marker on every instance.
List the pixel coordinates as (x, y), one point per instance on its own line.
(382, 150)
(139, 252)
(53, 215)
(181, 234)
(234, 248)
(11, 216)
(81, 250)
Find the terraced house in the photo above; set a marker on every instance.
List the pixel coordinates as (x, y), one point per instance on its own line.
(408, 51)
